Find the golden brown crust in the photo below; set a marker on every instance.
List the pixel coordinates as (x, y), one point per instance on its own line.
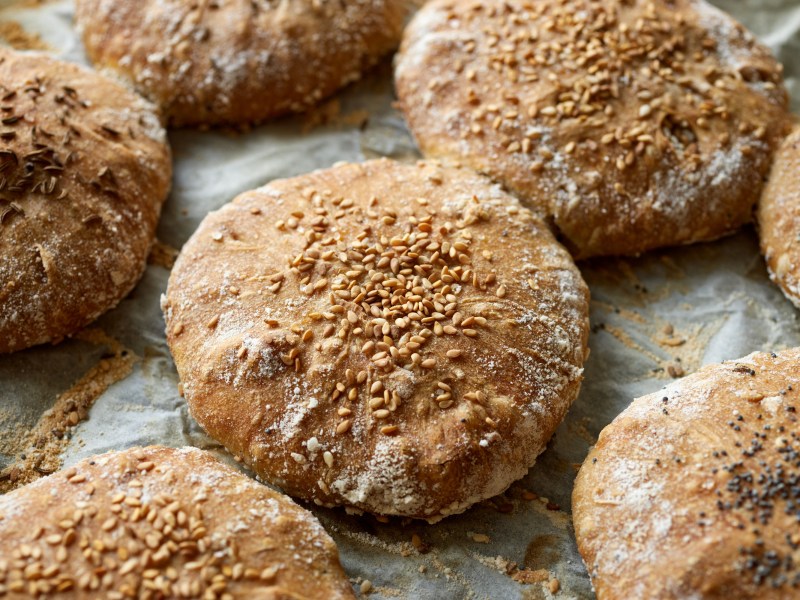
(779, 219)
(84, 169)
(400, 339)
(692, 492)
(162, 523)
(632, 124)
(217, 62)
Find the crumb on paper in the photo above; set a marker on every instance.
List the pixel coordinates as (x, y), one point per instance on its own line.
(162, 255)
(527, 576)
(330, 113)
(419, 544)
(499, 504)
(15, 35)
(673, 351)
(580, 429)
(498, 563)
(38, 450)
(675, 370)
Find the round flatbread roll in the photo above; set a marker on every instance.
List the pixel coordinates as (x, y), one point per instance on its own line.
(401, 339)
(693, 492)
(84, 170)
(632, 124)
(779, 219)
(229, 62)
(162, 523)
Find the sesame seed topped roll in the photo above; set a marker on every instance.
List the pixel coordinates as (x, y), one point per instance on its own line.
(631, 124)
(400, 339)
(160, 522)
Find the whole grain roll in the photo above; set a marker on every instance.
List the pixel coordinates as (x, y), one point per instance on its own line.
(162, 523)
(234, 62)
(693, 492)
(400, 339)
(779, 219)
(84, 170)
(631, 124)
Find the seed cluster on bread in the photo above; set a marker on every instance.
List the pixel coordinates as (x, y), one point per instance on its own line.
(779, 219)
(694, 491)
(161, 523)
(84, 169)
(631, 124)
(402, 339)
(229, 62)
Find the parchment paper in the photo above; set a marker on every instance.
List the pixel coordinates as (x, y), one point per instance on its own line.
(665, 313)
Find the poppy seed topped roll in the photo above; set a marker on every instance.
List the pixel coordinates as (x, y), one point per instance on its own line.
(692, 492)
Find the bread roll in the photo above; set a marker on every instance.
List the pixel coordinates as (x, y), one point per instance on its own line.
(399, 339)
(631, 124)
(693, 492)
(84, 170)
(779, 219)
(161, 523)
(233, 62)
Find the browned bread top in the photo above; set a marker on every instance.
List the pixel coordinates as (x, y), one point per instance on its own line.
(403, 339)
(633, 124)
(162, 523)
(779, 219)
(217, 62)
(84, 169)
(694, 491)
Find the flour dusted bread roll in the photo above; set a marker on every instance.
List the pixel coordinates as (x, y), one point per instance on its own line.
(84, 169)
(228, 62)
(162, 523)
(694, 491)
(779, 219)
(632, 124)
(402, 339)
